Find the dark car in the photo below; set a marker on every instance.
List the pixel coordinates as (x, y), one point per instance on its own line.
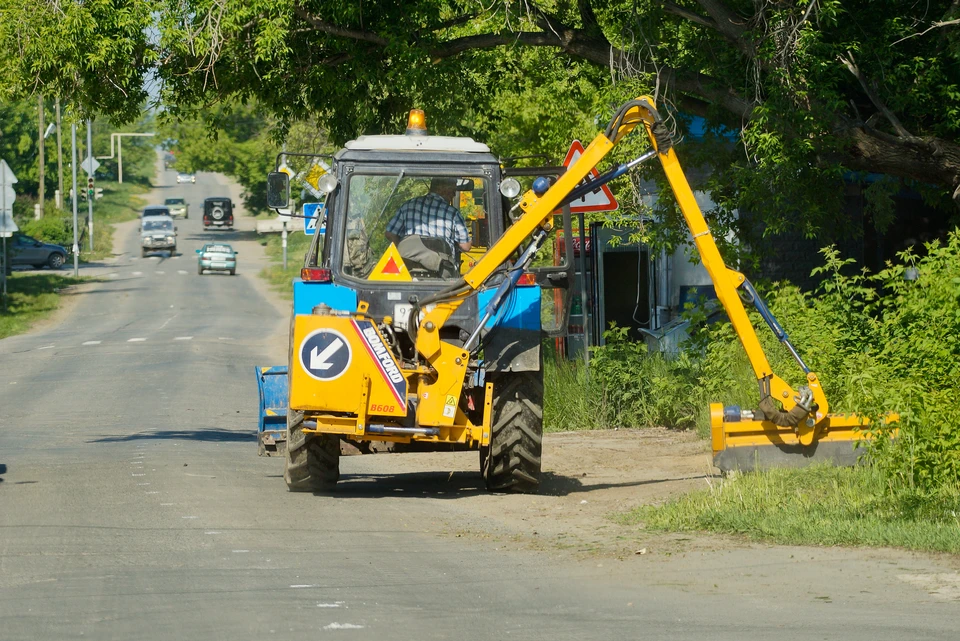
(217, 212)
(30, 251)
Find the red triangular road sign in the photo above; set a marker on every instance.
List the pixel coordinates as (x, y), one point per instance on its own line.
(601, 200)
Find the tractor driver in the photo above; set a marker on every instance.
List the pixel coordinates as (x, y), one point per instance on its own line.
(420, 221)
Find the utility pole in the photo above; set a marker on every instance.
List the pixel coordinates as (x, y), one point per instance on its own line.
(91, 193)
(59, 159)
(76, 244)
(40, 137)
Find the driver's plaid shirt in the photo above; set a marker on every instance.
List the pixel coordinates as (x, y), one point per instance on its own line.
(429, 216)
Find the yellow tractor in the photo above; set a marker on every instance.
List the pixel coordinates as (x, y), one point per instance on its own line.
(405, 337)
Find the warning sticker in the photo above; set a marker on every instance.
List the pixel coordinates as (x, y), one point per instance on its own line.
(450, 406)
(390, 267)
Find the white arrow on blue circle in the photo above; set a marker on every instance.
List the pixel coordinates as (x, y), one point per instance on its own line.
(320, 361)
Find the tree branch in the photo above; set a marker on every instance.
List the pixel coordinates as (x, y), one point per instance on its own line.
(874, 97)
(686, 14)
(728, 23)
(342, 32)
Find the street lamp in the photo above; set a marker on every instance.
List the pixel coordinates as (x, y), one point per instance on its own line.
(118, 137)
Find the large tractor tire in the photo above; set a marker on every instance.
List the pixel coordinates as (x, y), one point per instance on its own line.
(512, 461)
(312, 461)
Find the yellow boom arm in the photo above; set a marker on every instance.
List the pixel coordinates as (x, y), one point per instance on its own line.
(802, 423)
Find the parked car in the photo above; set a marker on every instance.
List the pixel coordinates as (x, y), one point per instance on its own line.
(168, 160)
(217, 212)
(178, 207)
(25, 250)
(158, 233)
(186, 178)
(217, 257)
(156, 210)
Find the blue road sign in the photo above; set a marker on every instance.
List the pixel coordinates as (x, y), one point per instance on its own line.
(325, 354)
(313, 218)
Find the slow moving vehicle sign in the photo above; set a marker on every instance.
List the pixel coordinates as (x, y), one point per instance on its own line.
(325, 354)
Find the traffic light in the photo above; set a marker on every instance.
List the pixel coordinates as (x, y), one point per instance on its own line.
(90, 187)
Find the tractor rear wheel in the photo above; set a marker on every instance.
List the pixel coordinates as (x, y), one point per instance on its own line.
(512, 461)
(311, 461)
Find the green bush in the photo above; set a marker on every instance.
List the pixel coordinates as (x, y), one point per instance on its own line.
(880, 344)
(52, 228)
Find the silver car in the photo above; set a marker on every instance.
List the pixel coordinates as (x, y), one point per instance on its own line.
(157, 233)
(186, 178)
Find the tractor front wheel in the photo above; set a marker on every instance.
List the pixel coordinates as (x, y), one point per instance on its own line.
(512, 461)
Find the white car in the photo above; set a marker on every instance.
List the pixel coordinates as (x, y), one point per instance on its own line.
(186, 178)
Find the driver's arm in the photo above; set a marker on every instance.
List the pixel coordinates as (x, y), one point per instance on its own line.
(393, 238)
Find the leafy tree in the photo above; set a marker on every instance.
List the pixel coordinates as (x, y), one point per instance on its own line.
(815, 89)
(93, 54)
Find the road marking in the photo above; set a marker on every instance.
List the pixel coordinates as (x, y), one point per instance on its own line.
(342, 626)
(219, 338)
(182, 271)
(137, 273)
(138, 475)
(167, 322)
(153, 492)
(335, 604)
(92, 343)
(303, 586)
(159, 272)
(183, 338)
(46, 347)
(113, 275)
(13, 382)
(154, 257)
(136, 340)
(189, 517)
(241, 551)
(165, 504)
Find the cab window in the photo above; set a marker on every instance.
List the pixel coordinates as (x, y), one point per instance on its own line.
(436, 224)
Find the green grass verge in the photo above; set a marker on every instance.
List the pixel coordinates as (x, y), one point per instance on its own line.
(31, 297)
(813, 506)
(278, 277)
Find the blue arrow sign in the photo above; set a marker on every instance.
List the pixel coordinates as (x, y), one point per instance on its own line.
(325, 354)
(314, 217)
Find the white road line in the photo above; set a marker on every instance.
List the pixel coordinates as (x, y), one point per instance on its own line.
(182, 271)
(138, 475)
(189, 517)
(159, 272)
(136, 340)
(153, 492)
(113, 275)
(138, 273)
(183, 338)
(224, 338)
(167, 322)
(92, 343)
(46, 347)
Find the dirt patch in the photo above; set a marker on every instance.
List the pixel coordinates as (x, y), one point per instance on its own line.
(588, 478)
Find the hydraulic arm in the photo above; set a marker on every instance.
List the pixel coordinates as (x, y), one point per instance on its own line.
(797, 425)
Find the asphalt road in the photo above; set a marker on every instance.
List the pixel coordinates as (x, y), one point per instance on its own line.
(133, 506)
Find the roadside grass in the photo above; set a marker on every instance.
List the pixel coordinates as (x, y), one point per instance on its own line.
(278, 277)
(31, 297)
(813, 506)
(569, 402)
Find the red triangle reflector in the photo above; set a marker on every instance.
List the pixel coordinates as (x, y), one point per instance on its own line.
(391, 267)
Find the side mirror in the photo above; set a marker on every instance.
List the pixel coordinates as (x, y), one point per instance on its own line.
(278, 190)
(235, 253)
(199, 251)
(37, 243)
